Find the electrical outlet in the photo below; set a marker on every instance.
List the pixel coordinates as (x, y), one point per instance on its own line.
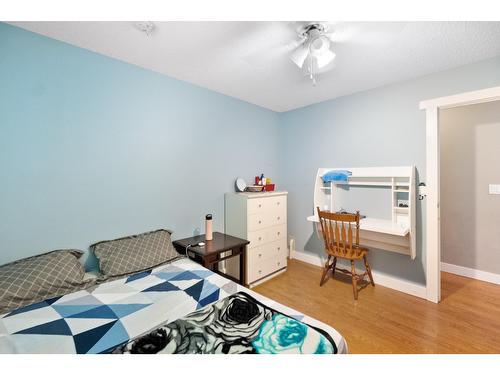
(494, 189)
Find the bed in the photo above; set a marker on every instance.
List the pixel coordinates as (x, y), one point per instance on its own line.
(138, 310)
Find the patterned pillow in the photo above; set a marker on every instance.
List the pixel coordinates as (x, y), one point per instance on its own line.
(134, 253)
(37, 278)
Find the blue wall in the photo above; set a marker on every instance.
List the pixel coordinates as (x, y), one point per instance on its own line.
(92, 148)
(380, 127)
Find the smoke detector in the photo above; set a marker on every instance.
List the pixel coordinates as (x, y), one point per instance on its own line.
(146, 27)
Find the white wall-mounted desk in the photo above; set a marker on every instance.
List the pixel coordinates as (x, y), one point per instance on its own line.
(396, 234)
(377, 225)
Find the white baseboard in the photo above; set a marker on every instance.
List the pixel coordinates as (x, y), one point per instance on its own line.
(380, 278)
(471, 272)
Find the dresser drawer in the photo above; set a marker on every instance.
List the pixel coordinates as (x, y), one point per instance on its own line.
(281, 250)
(265, 268)
(257, 205)
(277, 205)
(275, 218)
(266, 204)
(270, 250)
(258, 237)
(261, 221)
(279, 263)
(276, 232)
(258, 221)
(266, 235)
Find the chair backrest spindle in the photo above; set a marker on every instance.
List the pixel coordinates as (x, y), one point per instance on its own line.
(338, 233)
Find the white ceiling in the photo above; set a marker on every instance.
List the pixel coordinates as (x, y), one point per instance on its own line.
(249, 60)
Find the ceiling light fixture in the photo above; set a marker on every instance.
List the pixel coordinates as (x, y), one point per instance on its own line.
(316, 46)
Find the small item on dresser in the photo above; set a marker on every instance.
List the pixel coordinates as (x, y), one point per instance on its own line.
(262, 179)
(208, 228)
(240, 184)
(255, 188)
(257, 180)
(269, 187)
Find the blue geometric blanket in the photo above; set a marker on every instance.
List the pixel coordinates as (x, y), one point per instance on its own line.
(107, 315)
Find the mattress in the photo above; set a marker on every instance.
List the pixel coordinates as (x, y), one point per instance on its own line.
(107, 315)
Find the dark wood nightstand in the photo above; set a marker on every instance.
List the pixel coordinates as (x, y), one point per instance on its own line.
(222, 247)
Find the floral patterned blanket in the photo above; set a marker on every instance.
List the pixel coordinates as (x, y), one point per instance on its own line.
(237, 324)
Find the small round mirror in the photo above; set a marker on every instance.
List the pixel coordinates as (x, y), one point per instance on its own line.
(241, 185)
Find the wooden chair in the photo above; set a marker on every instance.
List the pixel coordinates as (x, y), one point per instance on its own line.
(340, 242)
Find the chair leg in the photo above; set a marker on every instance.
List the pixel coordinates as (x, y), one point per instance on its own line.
(333, 266)
(325, 271)
(354, 280)
(368, 269)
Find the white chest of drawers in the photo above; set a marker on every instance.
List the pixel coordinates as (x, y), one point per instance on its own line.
(261, 219)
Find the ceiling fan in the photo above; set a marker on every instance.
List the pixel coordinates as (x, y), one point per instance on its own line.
(315, 46)
(311, 45)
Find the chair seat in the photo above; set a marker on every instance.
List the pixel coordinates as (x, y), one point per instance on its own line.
(357, 252)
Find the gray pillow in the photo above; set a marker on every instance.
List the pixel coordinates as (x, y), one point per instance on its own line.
(134, 253)
(37, 278)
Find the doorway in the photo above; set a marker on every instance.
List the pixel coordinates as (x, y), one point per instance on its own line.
(432, 109)
(470, 190)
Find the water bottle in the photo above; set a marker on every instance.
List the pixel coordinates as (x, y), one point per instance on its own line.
(208, 228)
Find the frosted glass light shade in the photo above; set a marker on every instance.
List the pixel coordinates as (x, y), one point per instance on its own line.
(325, 58)
(299, 55)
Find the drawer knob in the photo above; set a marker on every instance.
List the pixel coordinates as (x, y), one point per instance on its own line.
(279, 263)
(278, 217)
(279, 248)
(260, 205)
(278, 203)
(260, 222)
(260, 255)
(260, 238)
(278, 233)
(260, 271)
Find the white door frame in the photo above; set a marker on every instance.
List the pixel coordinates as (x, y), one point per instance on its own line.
(433, 242)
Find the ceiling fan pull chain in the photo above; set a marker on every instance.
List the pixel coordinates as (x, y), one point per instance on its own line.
(311, 70)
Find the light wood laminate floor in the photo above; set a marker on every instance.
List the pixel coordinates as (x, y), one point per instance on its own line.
(467, 320)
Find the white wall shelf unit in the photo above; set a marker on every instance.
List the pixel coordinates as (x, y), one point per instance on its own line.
(397, 234)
